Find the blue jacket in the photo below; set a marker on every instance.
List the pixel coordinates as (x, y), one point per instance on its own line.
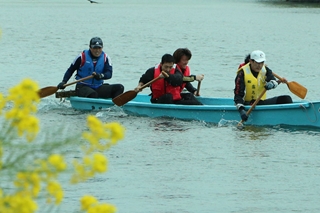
(85, 67)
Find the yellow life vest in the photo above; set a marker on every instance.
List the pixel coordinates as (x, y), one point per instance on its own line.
(254, 86)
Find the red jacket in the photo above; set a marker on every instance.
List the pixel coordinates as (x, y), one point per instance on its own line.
(161, 87)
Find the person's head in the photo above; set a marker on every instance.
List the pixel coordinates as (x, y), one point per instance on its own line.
(96, 46)
(181, 57)
(257, 59)
(247, 58)
(167, 62)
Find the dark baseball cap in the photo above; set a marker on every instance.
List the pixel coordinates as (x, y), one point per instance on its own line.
(96, 42)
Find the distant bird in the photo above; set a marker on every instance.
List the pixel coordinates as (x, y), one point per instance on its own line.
(93, 2)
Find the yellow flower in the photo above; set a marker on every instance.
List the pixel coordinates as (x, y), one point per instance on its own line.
(83, 170)
(55, 190)
(39, 176)
(18, 202)
(24, 97)
(95, 125)
(100, 163)
(57, 161)
(28, 182)
(102, 208)
(24, 93)
(87, 201)
(117, 131)
(30, 126)
(111, 133)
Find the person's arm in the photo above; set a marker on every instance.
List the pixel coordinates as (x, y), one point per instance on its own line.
(67, 75)
(107, 71)
(269, 75)
(271, 80)
(239, 89)
(239, 92)
(192, 78)
(190, 87)
(145, 78)
(175, 79)
(75, 65)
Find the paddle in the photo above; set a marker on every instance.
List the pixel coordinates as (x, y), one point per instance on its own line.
(131, 94)
(47, 91)
(253, 105)
(294, 87)
(198, 88)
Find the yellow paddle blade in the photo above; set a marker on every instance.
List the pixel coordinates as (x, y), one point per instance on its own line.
(297, 89)
(294, 87)
(47, 91)
(124, 98)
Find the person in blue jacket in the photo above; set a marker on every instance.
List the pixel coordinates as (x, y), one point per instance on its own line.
(94, 62)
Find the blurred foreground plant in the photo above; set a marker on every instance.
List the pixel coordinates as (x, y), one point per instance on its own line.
(34, 167)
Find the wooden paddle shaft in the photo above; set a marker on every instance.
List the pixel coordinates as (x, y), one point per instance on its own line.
(198, 88)
(278, 77)
(81, 79)
(253, 105)
(258, 99)
(155, 79)
(256, 102)
(44, 92)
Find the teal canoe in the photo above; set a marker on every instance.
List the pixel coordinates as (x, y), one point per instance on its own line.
(300, 113)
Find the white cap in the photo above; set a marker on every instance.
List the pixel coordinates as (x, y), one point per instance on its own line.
(258, 56)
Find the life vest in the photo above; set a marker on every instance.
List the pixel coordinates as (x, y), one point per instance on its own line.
(241, 65)
(254, 86)
(161, 87)
(185, 73)
(87, 68)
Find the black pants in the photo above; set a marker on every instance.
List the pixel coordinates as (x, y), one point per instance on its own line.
(104, 91)
(283, 99)
(186, 99)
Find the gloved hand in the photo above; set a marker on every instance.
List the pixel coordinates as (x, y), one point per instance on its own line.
(242, 112)
(243, 115)
(271, 85)
(98, 76)
(60, 85)
(199, 77)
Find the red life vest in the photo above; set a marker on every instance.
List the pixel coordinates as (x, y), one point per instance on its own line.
(185, 73)
(241, 65)
(161, 87)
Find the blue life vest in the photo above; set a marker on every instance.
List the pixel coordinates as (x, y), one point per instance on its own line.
(88, 68)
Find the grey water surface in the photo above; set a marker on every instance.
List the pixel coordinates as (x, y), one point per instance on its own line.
(166, 165)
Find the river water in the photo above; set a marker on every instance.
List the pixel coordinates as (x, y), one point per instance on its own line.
(166, 165)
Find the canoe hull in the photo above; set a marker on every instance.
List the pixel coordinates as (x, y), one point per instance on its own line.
(213, 111)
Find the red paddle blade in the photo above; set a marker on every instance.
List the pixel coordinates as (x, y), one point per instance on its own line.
(124, 98)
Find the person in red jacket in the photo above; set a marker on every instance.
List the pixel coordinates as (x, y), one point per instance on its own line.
(182, 57)
(165, 90)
